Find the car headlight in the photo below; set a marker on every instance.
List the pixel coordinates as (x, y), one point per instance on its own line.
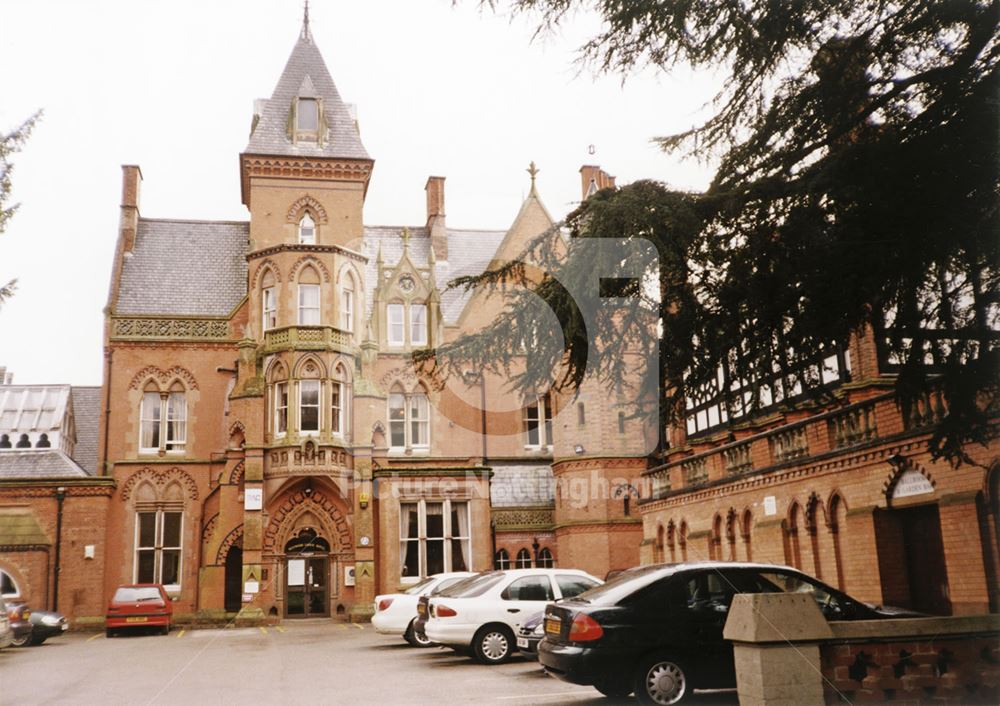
(540, 630)
(50, 620)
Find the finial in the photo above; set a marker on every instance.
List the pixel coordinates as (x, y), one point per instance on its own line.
(406, 238)
(533, 171)
(305, 22)
(378, 258)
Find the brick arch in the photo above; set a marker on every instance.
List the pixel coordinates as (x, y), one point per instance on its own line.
(904, 465)
(320, 503)
(309, 260)
(163, 378)
(258, 274)
(235, 535)
(160, 478)
(236, 477)
(303, 361)
(208, 529)
(307, 203)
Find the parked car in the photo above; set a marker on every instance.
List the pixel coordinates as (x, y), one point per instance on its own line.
(657, 630)
(139, 605)
(19, 616)
(46, 624)
(395, 613)
(422, 604)
(483, 616)
(529, 633)
(6, 634)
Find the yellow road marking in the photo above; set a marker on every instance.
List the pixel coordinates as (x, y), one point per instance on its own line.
(343, 627)
(93, 637)
(181, 633)
(263, 629)
(358, 626)
(279, 628)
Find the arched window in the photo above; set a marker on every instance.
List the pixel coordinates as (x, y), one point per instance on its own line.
(682, 540)
(523, 560)
(309, 297)
(745, 531)
(658, 553)
(793, 556)
(8, 587)
(307, 229)
(347, 303)
(501, 560)
(406, 323)
(163, 419)
(545, 560)
(279, 400)
(268, 302)
(671, 532)
(409, 419)
(310, 387)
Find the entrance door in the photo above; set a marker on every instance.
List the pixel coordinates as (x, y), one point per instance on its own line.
(928, 576)
(234, 576)
(307, 575)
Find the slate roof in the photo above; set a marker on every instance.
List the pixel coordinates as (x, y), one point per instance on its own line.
(270, 135)
(86, 415)
(185, 268)
(38, 463)
(521, 485)
(469, 252)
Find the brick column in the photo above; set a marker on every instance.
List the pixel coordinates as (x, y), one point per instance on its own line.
(253, 534)
(364, 554)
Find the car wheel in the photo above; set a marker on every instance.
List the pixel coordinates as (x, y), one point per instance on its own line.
(661, 681)
(36, 641)
(614, 687)
(414, 638)
(109, 633)
(493, 644)
(165, 630)
(21, 641)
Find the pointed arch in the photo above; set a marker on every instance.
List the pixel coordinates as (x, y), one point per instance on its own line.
(308, 260)
(793, 556)
(731, 531)
(837, 525)
(715, 538)
(267, 266)
(658, 548)
(746, 526)
(682, 540)
(309, 366)
(276, 371)
(310, 204)
(671, 540)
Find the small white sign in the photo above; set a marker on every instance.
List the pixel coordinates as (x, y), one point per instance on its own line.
(253, 499)
(251, 587)
(770, 505)
(348, 575)
(88, 551)
(911, 483)
(247, 597)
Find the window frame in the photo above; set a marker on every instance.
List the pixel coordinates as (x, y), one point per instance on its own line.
(347, 309)
(268, 308)
(302, 308)
(158, 548)
(415, 307)
(318, 406)
(390, 308)
(447, 537)
(165, 422)
(542, 404)
(280, 408)
(409, 420)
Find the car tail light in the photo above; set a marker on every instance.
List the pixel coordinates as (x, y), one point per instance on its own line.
(443, 611)
(584, 629)
(384, 604)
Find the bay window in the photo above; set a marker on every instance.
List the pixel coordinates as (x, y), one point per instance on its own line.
(337, 409)
(308, 304)
(269, 308)
(158, 546)
(309, 406)
(433, 537)
(281, 409)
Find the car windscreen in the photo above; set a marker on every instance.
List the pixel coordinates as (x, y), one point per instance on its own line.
(475, 586)
(623, 585)
(417, 588)
(137, 594)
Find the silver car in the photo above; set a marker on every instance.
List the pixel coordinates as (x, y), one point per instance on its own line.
(6, 633)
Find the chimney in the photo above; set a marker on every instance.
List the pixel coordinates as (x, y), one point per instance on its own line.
(593, 179)
(435, 217)
(3, 374)
(131, 182)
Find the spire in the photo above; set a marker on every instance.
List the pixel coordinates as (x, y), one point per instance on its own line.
(305, 34)
(405, 235)
(533, 171)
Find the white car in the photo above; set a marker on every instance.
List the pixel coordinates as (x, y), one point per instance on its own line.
(484, 616)
(396, 612)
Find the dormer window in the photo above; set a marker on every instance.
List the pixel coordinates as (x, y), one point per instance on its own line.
(307, 230)
(307, 115)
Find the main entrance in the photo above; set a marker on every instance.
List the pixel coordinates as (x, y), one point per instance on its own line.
(307, 575)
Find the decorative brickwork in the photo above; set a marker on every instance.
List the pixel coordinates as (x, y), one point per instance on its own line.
(160, 477)
(146, 328)
(523, 518)
(163, 377)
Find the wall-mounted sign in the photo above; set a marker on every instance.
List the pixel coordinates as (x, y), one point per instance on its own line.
(770, 505)
(348, 575)
(247, 597)
(911, 483)
(253, 499)
(251, 587)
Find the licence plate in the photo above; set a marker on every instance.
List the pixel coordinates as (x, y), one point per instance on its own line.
(553, 626)
(134, 619)
(422, 609)
(522, 643)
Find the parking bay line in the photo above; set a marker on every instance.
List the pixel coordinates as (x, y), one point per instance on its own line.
(181, 633)
(358, 626)
(263, 629)
(94, 637)
(279, 628)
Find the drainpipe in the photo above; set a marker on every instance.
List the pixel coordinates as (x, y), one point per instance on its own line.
(107, 414)
(60, 497)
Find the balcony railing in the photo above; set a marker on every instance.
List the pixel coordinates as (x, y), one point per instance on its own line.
(695, 471)
(312, 338)
(853, 426)
(737, 459)
(789, 445)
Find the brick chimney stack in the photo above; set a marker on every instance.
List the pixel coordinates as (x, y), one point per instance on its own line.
(435, 217)
(131, 184)
(593, 179)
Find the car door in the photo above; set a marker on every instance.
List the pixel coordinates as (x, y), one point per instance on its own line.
(708, 595)
(525, 596)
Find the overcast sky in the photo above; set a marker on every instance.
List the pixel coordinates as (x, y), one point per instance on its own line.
(169, 85)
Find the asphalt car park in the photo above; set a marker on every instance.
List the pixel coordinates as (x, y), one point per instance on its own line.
(322, 660)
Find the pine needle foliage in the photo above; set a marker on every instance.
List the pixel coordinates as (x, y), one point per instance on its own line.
(10, 143)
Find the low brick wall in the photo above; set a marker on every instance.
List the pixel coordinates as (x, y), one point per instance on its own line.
(925, 661)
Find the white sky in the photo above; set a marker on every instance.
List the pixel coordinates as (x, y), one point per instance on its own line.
(169, 85)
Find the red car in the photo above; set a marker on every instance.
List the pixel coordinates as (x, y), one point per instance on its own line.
(139, 605)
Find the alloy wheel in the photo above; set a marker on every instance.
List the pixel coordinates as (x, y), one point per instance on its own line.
(666, 683)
